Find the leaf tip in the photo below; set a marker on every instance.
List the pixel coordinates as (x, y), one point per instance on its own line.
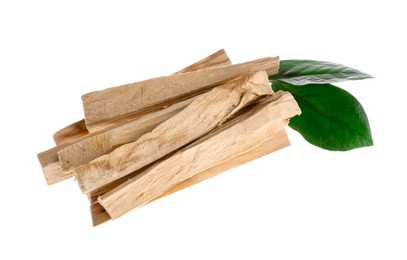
(368, 76)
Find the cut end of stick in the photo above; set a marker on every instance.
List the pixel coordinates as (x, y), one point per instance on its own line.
(54, 173)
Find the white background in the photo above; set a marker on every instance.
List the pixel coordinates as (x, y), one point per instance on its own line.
(298, 203)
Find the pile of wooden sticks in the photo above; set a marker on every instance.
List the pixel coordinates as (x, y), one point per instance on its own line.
(144, 140)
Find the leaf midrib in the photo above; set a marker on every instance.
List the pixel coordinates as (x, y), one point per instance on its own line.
(330, 118)
(290, 76)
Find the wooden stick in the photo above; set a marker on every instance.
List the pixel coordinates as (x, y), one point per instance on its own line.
(78, 129)
(93, 195)
(274, 143)
(58, 162)
(243, 135)
(197, 119)
(90, 148)
(106, 107)
(78, 132)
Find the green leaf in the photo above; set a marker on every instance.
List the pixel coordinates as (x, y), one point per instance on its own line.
(331, 117)
(302, 72)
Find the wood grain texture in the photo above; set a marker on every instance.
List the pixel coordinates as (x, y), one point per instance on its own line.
(274, 143)
(201, 116)
(93, 195)
(78, 129)
(100, 144)
(106, 107)
(241, 136)
(77, 132)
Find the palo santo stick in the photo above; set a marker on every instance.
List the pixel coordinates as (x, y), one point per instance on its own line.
(93, 195)
(259, 124)
(78, 129)
(274, 143)
(57, 162)
(103, 108)
(77, 132)
(90, 148)
(197, 119)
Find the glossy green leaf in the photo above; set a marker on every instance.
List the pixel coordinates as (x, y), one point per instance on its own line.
(302, 72)
(331, 117)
